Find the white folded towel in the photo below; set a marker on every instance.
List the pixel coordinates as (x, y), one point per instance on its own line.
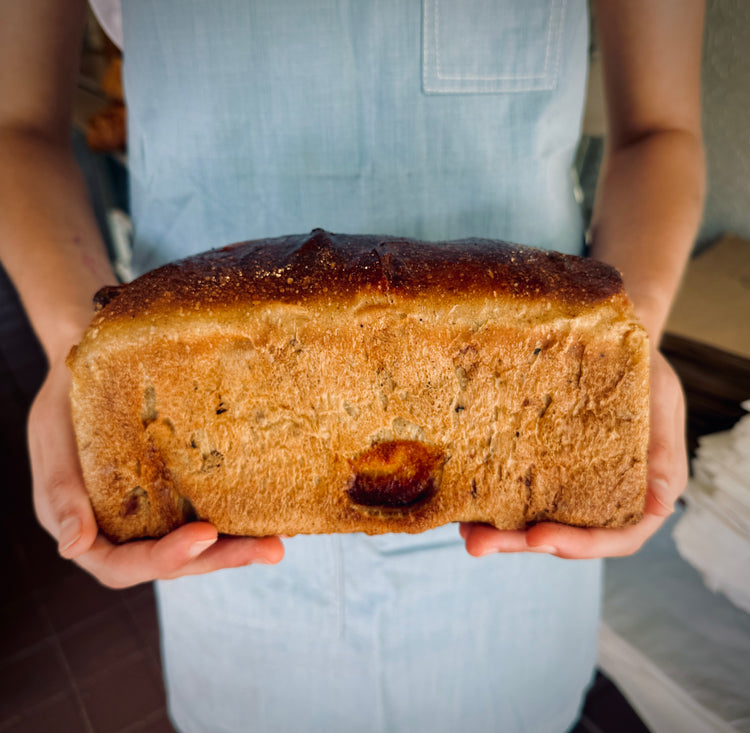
(713, 534)
(714, 547)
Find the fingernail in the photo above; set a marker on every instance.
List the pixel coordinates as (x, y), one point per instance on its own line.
(262, 561)
(70, 533)
(659, 489)
(199, 547)
(490, 551)
(544, 548)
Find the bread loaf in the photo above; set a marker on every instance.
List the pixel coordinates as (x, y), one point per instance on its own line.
(333, 383)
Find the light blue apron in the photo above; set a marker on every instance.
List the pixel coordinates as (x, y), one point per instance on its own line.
(437, 119)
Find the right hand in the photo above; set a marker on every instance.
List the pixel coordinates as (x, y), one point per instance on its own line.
(62, 506)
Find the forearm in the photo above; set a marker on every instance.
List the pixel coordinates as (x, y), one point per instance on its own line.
(648, 209)
(49, 240)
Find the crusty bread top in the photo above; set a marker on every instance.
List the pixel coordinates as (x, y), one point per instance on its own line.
(338, 267)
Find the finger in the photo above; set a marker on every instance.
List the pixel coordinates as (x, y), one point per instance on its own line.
(667, 457)
(483, 539)
(577, 543)
(192, 549)
(72, 521)
(660, 498)
(60, 498)
(233, 552)
(119, 566)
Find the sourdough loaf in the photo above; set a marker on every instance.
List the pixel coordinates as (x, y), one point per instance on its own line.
(333, 383)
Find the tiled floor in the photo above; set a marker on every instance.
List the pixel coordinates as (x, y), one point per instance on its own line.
(76, 657)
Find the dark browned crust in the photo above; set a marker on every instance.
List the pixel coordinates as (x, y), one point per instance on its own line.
(340, 266)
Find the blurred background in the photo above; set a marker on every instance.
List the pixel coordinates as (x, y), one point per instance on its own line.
(675, 642)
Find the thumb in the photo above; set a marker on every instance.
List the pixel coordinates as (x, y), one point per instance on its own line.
(76, 529)
(61, 501)
(667, 453)
(69, 535)
(60, 497)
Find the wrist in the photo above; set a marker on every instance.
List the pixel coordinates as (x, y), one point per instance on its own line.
(651, 310)
(68, 331)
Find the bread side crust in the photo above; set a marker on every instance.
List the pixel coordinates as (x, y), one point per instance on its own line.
(254, 414)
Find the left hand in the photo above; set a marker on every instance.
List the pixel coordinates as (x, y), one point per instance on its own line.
(667, 478)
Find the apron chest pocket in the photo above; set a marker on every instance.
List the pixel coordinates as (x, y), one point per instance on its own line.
(491, 46)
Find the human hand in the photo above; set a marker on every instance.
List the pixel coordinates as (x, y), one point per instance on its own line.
(667, 478)
(62, 506)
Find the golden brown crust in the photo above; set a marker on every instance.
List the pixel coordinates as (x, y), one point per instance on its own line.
(298, 268)
(335, 383)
